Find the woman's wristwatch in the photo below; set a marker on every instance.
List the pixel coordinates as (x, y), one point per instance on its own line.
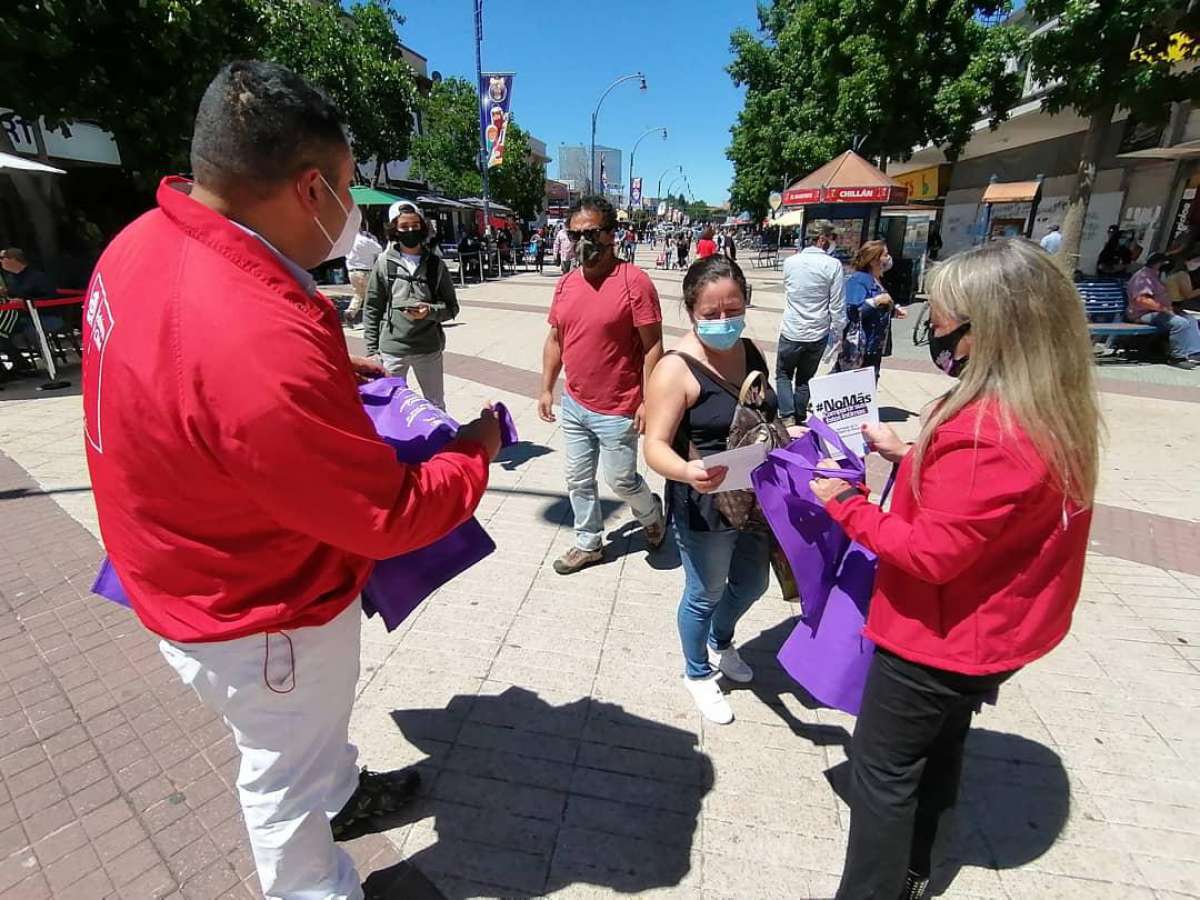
(847, 494)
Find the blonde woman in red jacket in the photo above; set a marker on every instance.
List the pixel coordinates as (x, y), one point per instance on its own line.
(981, 556)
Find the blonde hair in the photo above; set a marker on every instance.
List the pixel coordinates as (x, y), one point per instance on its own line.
(1030, 355)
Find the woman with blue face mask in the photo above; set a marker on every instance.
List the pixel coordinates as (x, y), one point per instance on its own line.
(690, 404)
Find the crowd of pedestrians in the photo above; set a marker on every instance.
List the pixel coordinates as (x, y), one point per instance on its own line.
(250, 568)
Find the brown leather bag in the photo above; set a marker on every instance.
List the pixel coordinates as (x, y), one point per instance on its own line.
(750, 426)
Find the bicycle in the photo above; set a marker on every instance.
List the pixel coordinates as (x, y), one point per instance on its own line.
(922, 326)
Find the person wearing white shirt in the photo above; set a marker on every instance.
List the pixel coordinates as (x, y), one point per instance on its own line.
(814, 316)
(1052, 241)
(360, 262)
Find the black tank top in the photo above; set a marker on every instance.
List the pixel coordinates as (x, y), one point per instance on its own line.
(705, 427)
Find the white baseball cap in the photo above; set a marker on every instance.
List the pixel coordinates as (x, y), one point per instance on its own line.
(400, 206)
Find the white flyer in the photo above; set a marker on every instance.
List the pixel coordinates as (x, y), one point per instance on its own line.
(846, 401)
(740, 463)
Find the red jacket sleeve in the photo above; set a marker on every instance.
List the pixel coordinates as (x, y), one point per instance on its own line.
(298, 442)
(969, 492)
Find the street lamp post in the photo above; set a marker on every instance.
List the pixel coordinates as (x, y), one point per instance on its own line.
(633, 153)
(674, 181)
(658, 190)
(595, 115)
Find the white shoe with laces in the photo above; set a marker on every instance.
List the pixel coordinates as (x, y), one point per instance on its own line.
(731, 664)
(710, 700)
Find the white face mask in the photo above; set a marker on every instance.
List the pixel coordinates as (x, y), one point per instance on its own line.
(888, 263)
(1193, 264)
(345, 239)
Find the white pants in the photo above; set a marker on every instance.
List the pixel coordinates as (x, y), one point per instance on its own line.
(298, 766)
(428, 369)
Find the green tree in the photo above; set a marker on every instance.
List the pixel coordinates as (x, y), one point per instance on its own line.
(1098, 56)
(882, 76)
(356, 58)
(446, 153)
(518, 182)
(135, 69)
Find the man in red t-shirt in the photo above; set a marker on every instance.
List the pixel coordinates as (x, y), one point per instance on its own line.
(606, 329)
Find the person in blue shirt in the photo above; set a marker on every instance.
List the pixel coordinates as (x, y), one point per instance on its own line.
(869, 311)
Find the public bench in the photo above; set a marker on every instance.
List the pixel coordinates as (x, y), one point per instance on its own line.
(1104, 304)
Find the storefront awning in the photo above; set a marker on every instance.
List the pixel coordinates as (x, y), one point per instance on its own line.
(788, 219)
(369, 196)
(1186, 150)
(11, 161)
(1011, 191)
(438, 200)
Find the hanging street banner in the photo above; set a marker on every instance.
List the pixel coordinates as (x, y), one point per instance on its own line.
(495, 103)
(635, 192)
(662, 207)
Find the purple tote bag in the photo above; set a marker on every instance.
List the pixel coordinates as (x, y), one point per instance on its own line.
(416, 430)
(810, 540)
(826, 653)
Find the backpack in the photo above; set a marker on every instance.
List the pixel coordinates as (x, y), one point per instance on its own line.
(433, 274)
(750, 426)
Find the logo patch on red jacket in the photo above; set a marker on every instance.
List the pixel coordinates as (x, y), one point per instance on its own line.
(99, 329)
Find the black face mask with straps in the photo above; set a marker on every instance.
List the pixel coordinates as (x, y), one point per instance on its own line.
(411, 238)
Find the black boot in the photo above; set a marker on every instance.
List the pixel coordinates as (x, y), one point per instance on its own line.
(914, 886)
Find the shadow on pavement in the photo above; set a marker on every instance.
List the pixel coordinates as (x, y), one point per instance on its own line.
(513, 457)
(532, 797)
(1014, 799)
(30, 388)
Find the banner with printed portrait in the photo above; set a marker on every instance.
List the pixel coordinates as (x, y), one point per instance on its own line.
(635, 192)
(495, 104)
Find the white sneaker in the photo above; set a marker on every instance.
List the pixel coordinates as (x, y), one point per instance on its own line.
(712, 703)
(731, 664)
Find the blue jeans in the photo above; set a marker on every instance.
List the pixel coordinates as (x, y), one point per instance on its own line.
(1183, 335)
(593, 440)
(724, 573)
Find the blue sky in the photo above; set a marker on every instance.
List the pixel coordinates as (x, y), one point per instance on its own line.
(565, 54)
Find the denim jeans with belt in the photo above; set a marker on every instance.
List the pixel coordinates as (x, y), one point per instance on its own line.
(594, 440)
(724, 573)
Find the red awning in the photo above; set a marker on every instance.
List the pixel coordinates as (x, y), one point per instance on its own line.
(846, 179)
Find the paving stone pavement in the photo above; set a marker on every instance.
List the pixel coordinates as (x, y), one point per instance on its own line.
(561, 756)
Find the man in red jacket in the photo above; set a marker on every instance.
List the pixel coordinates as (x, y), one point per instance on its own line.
(242, 493)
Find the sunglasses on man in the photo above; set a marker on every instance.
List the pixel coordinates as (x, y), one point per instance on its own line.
(591, 234)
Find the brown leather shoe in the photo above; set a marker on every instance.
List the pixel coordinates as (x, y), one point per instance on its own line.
(575, 559)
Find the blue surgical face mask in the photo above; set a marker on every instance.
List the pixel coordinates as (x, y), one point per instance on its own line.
(720, 334)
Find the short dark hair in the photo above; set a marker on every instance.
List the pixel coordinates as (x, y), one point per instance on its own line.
(595, 204)
(260, 123)
(14, 253)
(1156, 258)
(704, 272)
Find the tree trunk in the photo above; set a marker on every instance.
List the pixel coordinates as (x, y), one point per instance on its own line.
(37, 205)
(1081, 193)
(378, 173)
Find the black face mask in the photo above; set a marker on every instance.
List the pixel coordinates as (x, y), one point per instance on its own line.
(410, 239)
(943, 347)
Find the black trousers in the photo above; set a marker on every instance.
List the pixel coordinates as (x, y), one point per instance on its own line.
(795, 364)
(905, 762)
